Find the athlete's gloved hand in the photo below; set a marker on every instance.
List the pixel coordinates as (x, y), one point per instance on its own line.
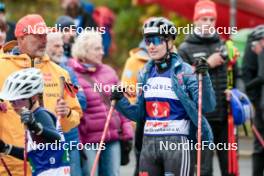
(201, 66)
(117, 94)
(5, 148)
(28, 119)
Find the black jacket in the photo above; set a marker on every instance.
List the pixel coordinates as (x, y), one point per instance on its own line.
(194, 47)
(251, 71)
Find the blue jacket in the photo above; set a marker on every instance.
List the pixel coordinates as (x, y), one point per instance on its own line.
(185, 86)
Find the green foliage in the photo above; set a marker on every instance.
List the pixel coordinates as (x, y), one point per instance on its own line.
(127, 28)
(49, 9)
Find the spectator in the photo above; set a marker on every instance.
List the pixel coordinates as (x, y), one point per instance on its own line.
(55, 51)
(3, 32)
(87, 64)
(138, 57)
(31, 51)
(74, 9)
(10, 25)
(66, 25)
(203, 43)
(253, 76)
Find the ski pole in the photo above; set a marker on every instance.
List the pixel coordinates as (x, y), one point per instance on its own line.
(62, 81)
(25, 146)
(5, 166)
(200, 79)
(257, 134)
(108, 118)
(25, 154)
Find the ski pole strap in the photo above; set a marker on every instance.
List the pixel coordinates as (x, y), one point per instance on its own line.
(232, 52)
(230, 79)
(25, 154)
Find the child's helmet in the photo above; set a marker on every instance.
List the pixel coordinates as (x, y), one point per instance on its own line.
(22, 84)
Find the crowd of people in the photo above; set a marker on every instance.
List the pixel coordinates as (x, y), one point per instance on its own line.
(48, 96)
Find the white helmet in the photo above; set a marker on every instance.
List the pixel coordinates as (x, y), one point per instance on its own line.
(22, 84)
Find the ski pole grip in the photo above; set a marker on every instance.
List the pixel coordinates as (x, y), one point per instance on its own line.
(62, 81)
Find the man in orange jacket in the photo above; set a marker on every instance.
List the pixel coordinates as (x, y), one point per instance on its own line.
(31, 32)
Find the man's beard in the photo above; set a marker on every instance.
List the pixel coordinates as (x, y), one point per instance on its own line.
(57, 59)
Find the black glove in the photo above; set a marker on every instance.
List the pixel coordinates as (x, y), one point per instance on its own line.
(28, 119)
(126, 147)
(201, 65)
(117, 94)
(4, 148)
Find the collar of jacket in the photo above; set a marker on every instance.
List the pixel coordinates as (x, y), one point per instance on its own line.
(76, 65)
(24, 61)
(176, 62)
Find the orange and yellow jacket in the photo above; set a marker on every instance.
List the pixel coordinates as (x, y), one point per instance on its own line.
(11, 129)
(137, 59)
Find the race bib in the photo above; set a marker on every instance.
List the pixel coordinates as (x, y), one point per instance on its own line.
(158, 109)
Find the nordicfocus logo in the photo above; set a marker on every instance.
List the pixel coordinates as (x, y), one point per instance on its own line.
(191, 29)
(41, 28)
(190, 145)
(58, 145)
(99, 87)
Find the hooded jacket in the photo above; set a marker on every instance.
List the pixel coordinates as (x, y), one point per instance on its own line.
(185, 87)
(11, 128)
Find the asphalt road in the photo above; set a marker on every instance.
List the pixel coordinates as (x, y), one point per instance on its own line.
(244, 164)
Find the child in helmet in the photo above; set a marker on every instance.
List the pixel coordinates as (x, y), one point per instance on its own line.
(22, 90)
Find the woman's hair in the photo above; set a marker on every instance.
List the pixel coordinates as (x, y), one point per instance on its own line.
(83, 42)
(3, 25)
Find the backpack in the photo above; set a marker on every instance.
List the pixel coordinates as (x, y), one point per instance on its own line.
(241, 106)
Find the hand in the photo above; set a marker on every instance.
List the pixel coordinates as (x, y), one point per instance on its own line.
(201, 65)
(62, 109)
(28, 119)
(215, 60)
(117, 94)
(3, 107)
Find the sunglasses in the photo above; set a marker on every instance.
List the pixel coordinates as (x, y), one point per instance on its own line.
(155, 40)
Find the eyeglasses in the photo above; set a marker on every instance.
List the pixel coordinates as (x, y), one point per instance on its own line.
(155, 40)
